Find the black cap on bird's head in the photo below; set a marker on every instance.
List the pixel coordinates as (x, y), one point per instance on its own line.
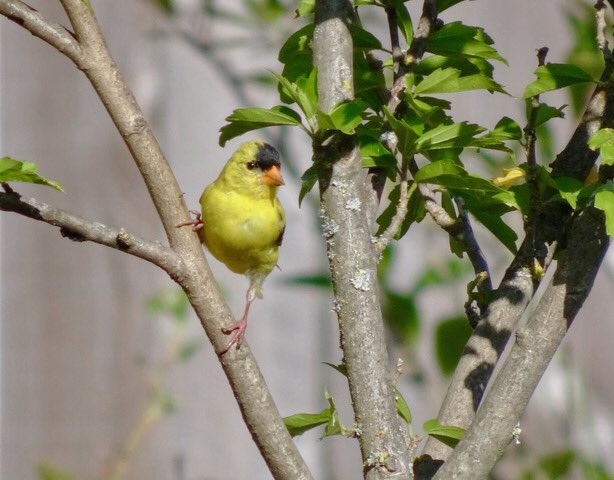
(255, 164)
(267, 160)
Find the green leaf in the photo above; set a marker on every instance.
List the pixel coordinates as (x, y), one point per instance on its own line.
(557, 465)
(430, 172)
(495, 224)
(401, 316)
(189, 349)
(603, 140)
(363, 39)
(341, 368)
(170, 301)
(305, 7)
(553, 76)
(449, 80)
(569, 188)
(333, 427)
(406, 137)
(299, 423)
(303, 92)
(436, 276)
(345, 117)
(448, 434)
(308, 179)
(450, 339)
(244, 120)
(318, 280)
(299, 43)
(165, 5)
(402, 407)
(49, 472)
(458, 39)
(546, 112)
(415, 210)
(445, 4)
(165, 402)
(445, 136)
(369, 80)
(404, 21)
(21, 171)
(506, 129)
(604, 200)
(466, 65)
(373, 153)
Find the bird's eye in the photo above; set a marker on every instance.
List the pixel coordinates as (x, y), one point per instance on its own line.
(251, 165)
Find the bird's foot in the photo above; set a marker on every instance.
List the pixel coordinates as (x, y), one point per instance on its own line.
(238, 332)
(197, 223)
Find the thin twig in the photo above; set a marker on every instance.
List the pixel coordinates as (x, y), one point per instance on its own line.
(49, 31)
(530, 137)
(426, 25)
(382, 241)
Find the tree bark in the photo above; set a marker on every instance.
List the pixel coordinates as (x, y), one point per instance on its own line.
(353, 258)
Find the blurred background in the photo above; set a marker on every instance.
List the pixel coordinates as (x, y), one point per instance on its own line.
(104, 371)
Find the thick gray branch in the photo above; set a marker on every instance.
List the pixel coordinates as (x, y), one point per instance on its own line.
(80, 229)
(352, 258)
(536, 343)
(246, 380)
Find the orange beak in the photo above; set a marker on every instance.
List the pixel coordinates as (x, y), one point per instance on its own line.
(272, 177)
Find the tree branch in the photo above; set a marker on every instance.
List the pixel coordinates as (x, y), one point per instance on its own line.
(518, 286)
(426, 25)
(52, 33)
(246, 380)
(352, 258)
(536, 343)
(80, 230)
(394, 228)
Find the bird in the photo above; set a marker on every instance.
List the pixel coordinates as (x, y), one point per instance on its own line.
(242, 222)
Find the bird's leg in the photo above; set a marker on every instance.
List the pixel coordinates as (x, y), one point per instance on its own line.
(239, 327)
(197, 223)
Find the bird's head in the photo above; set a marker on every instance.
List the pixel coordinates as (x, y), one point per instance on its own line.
(254, 165)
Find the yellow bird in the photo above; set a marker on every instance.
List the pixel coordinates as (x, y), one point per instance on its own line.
(242, 221)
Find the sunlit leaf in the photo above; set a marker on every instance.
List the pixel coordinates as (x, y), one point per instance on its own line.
(244, 120)
(449, 80)
(458, 39)
(553, 76)
(603, 141)
(604, 200)
(305, 7)
(299, 423)
(448, 434)
(402, 406)
(21, 171)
